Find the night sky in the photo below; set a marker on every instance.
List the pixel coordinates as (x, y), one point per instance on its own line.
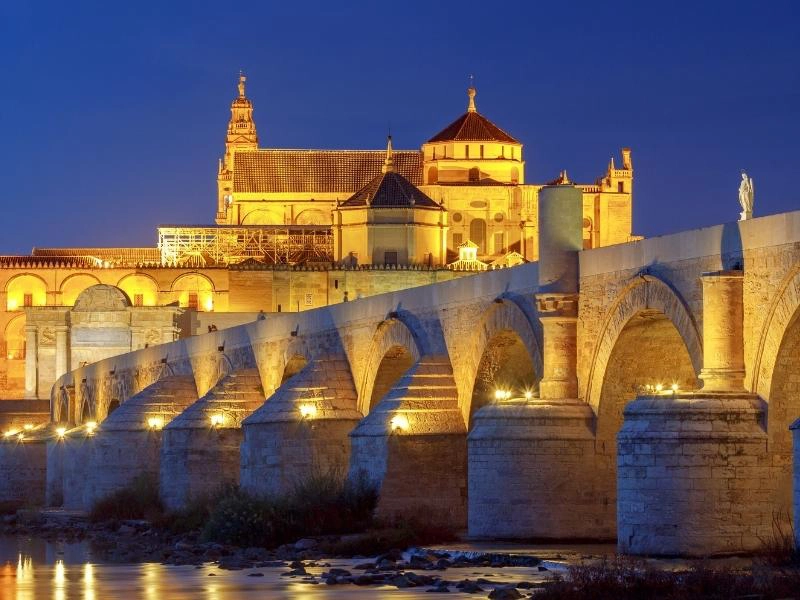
(113, 114)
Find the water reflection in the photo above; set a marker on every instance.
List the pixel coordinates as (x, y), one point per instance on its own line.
(34, 570)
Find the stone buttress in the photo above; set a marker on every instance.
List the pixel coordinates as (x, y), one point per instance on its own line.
(200, 447)
(302, 429)
(412, 446)
(128, 442)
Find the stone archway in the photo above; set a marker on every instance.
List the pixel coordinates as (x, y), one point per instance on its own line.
(394, 349)
(504, 331)
(645, 294)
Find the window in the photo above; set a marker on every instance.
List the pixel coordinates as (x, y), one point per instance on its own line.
(498, 243)
(138, 299)
(621, 187)
(477, 233)
(27, 300)
(458, 239)
(192, 304)
(336, 284)
(466, 151)
(390, 258)
(481, 150)
(512, 152)
(474, 174)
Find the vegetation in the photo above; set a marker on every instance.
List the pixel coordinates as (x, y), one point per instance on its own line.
(628, 579)
(139, 500)
(324, 504)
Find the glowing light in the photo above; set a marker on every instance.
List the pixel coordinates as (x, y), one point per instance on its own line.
(10, 433)
(217, 420)
(308, 411)
(61, 431)
(528, 395)
(659, 387)
(27, 427)
(12, 304)
(90, 427)
(502, 394)
(209, 304)
(20, 436)
(399, 423)
(155, 422)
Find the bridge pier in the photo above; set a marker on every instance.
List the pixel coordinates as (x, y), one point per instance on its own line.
(532, 472)
(694, 477)
(412, 447)
(23, 467)
(128, 443)
(302, 429)
(200, 447)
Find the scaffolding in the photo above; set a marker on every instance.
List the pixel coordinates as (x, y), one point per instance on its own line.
(207, 246)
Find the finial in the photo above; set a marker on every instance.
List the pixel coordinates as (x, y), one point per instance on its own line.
(611, 166)
(388, 163)
(471, 91)
(242, 79)
(565, 178)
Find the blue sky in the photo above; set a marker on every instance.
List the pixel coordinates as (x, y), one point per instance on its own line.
(113, 115)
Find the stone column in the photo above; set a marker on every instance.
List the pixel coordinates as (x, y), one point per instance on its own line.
(559, 316)
(62, 350)
(723, 347)
(31, 360)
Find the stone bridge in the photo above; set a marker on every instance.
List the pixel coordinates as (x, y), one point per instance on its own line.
(640, 392)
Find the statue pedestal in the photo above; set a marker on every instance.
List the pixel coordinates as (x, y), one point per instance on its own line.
(693, 475)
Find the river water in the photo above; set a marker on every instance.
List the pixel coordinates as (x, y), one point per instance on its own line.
(32, 569)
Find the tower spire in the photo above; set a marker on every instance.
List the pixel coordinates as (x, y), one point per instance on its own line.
(388, 163)
(471, 91)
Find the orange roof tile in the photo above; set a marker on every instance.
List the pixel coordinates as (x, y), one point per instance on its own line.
(310, 171)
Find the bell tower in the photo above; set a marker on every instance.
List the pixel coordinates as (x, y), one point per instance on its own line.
(241, 136)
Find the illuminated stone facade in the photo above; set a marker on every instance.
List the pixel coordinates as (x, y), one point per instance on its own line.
(302, 229)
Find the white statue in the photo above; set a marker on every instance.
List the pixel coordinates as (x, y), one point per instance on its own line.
(746, 195)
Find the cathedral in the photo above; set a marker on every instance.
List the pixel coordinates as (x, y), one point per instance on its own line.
(295, 229)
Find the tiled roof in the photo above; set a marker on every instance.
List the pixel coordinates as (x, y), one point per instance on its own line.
(112, 255)
(389, 190)
(472, 127)
(310, 171)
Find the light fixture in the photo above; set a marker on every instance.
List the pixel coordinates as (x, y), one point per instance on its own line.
(60, 431)
(499, 394)
(217, 420)
(528, 395)
(155, 422)
(20, 436)
(91, 426)
(27, 427)
(674, 387)
(10, 432)
(308, 411)
(399, 423)
(659, 387)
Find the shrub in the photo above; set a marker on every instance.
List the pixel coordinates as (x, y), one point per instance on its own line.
(138, 500)
(324, 503)
(398, 534)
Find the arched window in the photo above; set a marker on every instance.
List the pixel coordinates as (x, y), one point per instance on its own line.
(514, 175)
(474, 174)
(433, 175)
(477, 234)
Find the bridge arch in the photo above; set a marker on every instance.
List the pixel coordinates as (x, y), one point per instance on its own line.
(394, 349)
(774, 378)
(645, 295)
(504, 352)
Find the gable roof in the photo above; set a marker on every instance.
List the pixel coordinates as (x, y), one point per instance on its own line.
(472, 127)
(310, 171)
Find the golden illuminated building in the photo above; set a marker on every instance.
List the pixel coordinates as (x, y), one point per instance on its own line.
(296, 230)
